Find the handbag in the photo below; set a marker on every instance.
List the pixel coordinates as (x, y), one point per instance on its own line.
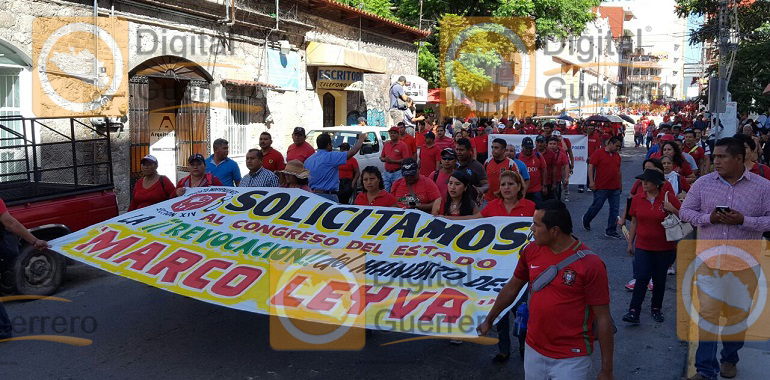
(675, 229)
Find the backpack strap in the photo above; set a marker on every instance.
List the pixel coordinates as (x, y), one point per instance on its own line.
(435, 175)
(163, 186)
(547, 276)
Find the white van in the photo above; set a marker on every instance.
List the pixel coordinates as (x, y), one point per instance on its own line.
(369, 155)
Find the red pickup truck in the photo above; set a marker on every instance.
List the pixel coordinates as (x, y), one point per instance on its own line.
(55, 178)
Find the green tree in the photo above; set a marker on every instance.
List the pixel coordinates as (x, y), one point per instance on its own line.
(381, 8)
(751, 70)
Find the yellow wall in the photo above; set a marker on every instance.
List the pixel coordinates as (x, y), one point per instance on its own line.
(340, 105)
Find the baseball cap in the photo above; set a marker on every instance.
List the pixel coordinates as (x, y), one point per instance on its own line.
(556, 133)
(540, 138)
(527, 143)
(393, 129)
(150, 158)
(667, 138)
(408, 167)
(196, 157)
(430, 135)
(299, 131)
(449, 153)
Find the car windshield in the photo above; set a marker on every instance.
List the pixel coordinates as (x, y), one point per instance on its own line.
(338, 137)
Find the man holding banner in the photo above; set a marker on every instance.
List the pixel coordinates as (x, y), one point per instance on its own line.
(566, 280)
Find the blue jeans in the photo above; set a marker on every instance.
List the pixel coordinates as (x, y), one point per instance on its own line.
(5, 324)
(613, 196)
(650, 265)
(536, 197)
(706, 356)
(389, 178)
(332, 197)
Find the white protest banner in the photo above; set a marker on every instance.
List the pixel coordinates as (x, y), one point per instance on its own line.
(252, 249)
(579, 151)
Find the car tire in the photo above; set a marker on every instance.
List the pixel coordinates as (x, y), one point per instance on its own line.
(38, 273)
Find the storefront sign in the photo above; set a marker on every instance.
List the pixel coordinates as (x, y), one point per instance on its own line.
(338, 78)
(163, 143)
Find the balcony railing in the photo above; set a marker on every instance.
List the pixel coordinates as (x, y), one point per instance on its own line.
(643, 78)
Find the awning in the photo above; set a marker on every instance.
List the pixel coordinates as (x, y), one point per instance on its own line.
(321, 54)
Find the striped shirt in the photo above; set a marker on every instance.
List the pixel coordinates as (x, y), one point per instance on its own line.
(749, 196)
(262, 178)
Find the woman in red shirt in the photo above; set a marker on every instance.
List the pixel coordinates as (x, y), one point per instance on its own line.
(460, 199)
(374, 193)
(152, 188)
(681, 165)
(647, 243)
(348, 176)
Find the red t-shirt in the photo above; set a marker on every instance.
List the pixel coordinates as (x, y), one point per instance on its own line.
(411, 143)
(397, 151)
(163, 189)
(208, 180)
(763, 172)
(684, 170)
(446, 142)
(525, 207)
(607, 169)
(696, 152)
(273, 160)
(555, 161)
(3, 208)
(301, 152)
(420, 137)
(441, 180)
(429, 156)
(594, 143)
(383, 199)
(666, 186)
(494, 169)
(424, 189)
(569, 296)
(346, 170)
(650, 234)
(481, 143)
(536, 167)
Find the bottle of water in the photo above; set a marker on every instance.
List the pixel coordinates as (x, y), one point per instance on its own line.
(520, 322)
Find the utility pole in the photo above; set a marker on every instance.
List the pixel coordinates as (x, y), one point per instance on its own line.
(419, 43)
(721, 86)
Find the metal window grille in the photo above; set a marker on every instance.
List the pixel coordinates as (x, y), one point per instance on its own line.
(239, 116)
(10, 104)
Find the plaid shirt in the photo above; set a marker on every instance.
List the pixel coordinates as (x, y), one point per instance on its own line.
(262, 178)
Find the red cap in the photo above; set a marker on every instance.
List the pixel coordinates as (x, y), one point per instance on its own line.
(667, 138)
(393, 129)
(606, 136)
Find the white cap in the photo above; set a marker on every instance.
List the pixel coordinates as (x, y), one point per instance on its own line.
(556, 133)
(150, 158)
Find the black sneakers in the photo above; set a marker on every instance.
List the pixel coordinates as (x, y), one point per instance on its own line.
(657, 316)
(586, 226)
(632, 317)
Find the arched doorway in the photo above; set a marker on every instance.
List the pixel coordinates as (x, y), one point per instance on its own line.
(168, 113)
(329, 110)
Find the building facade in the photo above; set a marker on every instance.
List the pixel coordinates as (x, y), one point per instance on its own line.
(205, 69)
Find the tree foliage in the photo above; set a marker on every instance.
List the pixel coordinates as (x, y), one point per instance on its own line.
(751, 71)
(381, 8)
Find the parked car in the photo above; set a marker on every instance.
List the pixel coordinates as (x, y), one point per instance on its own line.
(56, 178)
(369, 155)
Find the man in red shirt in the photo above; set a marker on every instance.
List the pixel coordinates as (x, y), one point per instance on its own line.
(430, 155)
(348, 175)
(605, 179)
(481, 145)
(301, 149)
(558, 168)
(560, 347)
(537, 168)
(495, 166)
(691, 147)
(394, 152)
(410, 141)
(414, 190)
(271, 159)
(442, 141)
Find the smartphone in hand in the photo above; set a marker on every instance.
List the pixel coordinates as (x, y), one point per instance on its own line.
(724, 209)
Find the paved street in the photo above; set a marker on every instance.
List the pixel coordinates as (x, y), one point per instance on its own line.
(146, 332)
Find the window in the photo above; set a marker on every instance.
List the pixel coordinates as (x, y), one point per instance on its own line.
(329, 107)
(11, 160)
(240, 110)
